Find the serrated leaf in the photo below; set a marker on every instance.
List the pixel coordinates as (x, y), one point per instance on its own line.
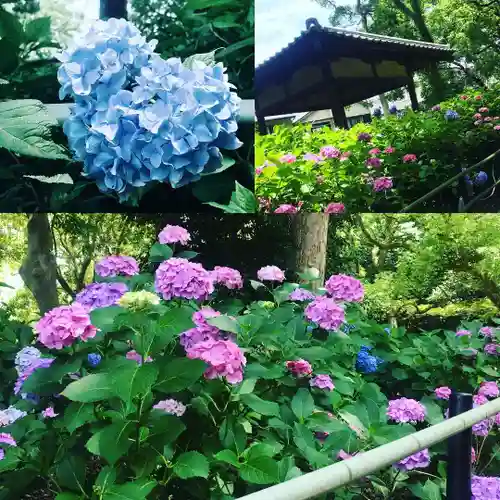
(25, 130)
(191, 464)
(243, 201)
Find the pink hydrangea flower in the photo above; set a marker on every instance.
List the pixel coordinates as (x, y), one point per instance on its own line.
(171, 407)
(409, 158)
(174, 234)
(497, 419)
(135, 356)
(492, 349)
(374, 151)
(477, 116)
(478, 97)
(200, 317)
(487, 331)
(382, 184)
(373, 162)
(301, 295)
(6, 438)
(389, 150)
(489, 389)
(228, 277)
(345, 155)
(299, 367)
(404, 410)
(62, 326)
(49, 412)
(442, 392)
(177, 277)
(322, 382)
(488, 119)
(419, 460)
(479, 399)
(286, 209)
(345, 288)
(259, 170)
(496, 127)
(343, 455)
(464, 97)
(437, 107)
(463, 333)
(264, 204)
(224, 357)
(484, 109)
(472, 455)
(288, 158)
(335, 208)
(117, 265)
(271, 273)
(325, 312)
(329, 152)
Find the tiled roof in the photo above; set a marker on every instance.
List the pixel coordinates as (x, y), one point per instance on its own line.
(314, 26)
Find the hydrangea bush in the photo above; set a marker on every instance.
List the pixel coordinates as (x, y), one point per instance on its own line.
(139, 118)
(171, 382)
(384, 165)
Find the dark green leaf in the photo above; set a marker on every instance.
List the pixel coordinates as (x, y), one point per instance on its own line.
(179, 374)
(224, 323)
(261, 405)
(191, 464)
(103, 318)
(78, 414)
(71, 473)
(112, 442)
(94, 387)
(260, 470)
(302, 404)
(159, 253)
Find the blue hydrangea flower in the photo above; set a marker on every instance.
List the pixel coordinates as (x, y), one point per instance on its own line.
(346, 327)
(393, 109)
(309, 328)
(377, 112)
(481, 178)
(387, 330)
(139, 118)
(94, 359)
(365, 362)
(451, 115)
(25, 358)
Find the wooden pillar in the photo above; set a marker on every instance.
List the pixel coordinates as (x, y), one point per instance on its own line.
(113, 8)
(261, 121)
(338, 112)
(412, 91)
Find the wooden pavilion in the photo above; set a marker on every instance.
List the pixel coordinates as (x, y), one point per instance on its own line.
(330, 68)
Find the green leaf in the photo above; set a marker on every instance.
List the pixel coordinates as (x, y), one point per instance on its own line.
(178, 374)
(254, 370)
(159, 253)
(228, 456)
(261, 450)
(260, 470)
(164, 429)
(103, 318)
(25, 129)
(261, 405)
(134, 380)
(302, 404)
(434, 413)
(71, 473)
(10, 28)
(207, 59)
(37, 29)
(139, 490)
(112, 442)
(314, 353)
(68, 496)
(226, 163)
(78, 414)
(106, 478)
(243, 201)
(233, 435)
(224, 323)
(191, 464)
(94, 387)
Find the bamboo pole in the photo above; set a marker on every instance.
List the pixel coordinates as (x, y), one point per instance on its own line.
(342, 473)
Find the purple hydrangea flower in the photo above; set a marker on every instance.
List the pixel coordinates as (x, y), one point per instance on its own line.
(451, 115)
(489, 389)
(228, 277)
(37, 363)
(25, 358)
(117, 265)
(345, 288)
(485, 488)
(6, 438)
(325, 312)
(364, 137)
(329, 152)
(184, 279)
(98, 295)
(174, 234)
(404, 410)
(270, 273)
(492, 349)
(419, 460)
(322, 382)
(301, 295)
(482, 428)
(171, 407)
(442, 392)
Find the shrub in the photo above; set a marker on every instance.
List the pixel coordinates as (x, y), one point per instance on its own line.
(200, 394)
(384, 165)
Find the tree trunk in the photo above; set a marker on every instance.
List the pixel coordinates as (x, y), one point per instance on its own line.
(385, 104)
(39, 270)
(310, 232)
